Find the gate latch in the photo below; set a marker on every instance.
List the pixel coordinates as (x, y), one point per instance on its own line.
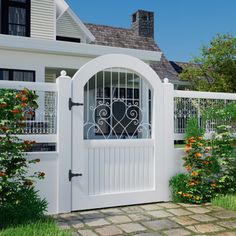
(71, 175)
(71, 104)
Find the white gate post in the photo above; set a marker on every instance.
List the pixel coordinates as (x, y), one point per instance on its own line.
(64, 142)
(168, 159)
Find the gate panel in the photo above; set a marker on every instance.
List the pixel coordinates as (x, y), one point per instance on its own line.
(115, 134)
(119, 166)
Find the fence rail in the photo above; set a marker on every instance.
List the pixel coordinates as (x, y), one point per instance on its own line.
(192, 104)
(44, 120)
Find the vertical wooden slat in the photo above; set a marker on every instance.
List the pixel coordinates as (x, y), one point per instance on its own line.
(102, 170)
(91, 171)
(107, 169)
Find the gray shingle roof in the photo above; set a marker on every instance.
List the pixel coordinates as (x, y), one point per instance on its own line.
(127, 38)
(120, 37)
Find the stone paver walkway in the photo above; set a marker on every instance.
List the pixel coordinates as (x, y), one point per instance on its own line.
(152, 219)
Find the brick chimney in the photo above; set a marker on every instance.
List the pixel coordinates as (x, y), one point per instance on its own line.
(143, 23)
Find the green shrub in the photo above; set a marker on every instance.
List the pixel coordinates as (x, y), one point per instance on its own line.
(178, 186)
(19, 201)
(27, 208)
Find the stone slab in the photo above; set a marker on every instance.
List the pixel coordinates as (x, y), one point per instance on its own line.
(198, 210)
(159, 214)
(203, 217)
(184, 220)
(180, 212)
(132, 227)
(161, 224)
(177, 232)
(109, 231)
(119, 219)
(205, 228)
(228, 224)
(86, 232)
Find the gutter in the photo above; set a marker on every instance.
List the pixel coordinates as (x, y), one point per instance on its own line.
(16, 43)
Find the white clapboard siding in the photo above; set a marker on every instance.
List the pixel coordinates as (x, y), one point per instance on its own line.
(119, 168)
(43, 19)
(67, 27)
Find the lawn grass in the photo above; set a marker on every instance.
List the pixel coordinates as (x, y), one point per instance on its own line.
(228, 202)
(45, 227)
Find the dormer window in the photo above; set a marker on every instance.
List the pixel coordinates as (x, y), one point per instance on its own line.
(16, 17)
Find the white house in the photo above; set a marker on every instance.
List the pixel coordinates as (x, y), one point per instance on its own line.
(106, 129)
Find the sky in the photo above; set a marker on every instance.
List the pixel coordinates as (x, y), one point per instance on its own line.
(182, 27)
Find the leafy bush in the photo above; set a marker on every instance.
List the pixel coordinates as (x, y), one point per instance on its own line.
(178, 185)
(15, 182)
(28, 207)
(210, 164)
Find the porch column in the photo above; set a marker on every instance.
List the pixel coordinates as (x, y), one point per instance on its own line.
(64, 142)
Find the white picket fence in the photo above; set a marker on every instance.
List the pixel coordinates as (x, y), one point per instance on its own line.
(47, 127)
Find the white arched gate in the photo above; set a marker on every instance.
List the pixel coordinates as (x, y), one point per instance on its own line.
(117, 134)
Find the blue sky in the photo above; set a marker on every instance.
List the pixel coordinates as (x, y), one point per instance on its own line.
(181, 26)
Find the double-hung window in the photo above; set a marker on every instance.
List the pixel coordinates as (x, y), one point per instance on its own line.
(17, 75)
(16, 17)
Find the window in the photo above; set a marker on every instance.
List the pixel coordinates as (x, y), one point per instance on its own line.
(117, 105)
(68, 39)
(16, 17)
(17, 75)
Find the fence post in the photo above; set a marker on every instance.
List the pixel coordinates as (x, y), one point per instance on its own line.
(168, 159)
(64, 142)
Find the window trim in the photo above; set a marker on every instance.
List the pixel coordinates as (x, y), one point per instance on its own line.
(11, 71)
(6, 4)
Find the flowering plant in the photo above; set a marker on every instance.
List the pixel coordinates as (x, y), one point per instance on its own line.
(15, 108)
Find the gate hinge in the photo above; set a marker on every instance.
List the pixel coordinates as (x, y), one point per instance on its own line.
(71, 104)
(71, 175)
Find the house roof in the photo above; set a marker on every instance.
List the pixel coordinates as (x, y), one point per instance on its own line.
(120, 37)
(127, 38)
(180, 66)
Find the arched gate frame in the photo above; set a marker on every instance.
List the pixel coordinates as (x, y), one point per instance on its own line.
(102, 165)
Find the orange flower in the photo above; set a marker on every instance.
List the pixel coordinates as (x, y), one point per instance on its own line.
(191, 140)
(15, 111)
(30, 112)
(24, 91)
(27, 142)
(2, 174)
(3, 128)
(206, 162)
(213, 185)
(41, 174)
(194, 173)
(28, 183)
(18, 96)
(188, 168)
(187, 147)
(24, 104)
(197, 154)
(24, 99)
(185, 194)
(3, 105)
(200, 138)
